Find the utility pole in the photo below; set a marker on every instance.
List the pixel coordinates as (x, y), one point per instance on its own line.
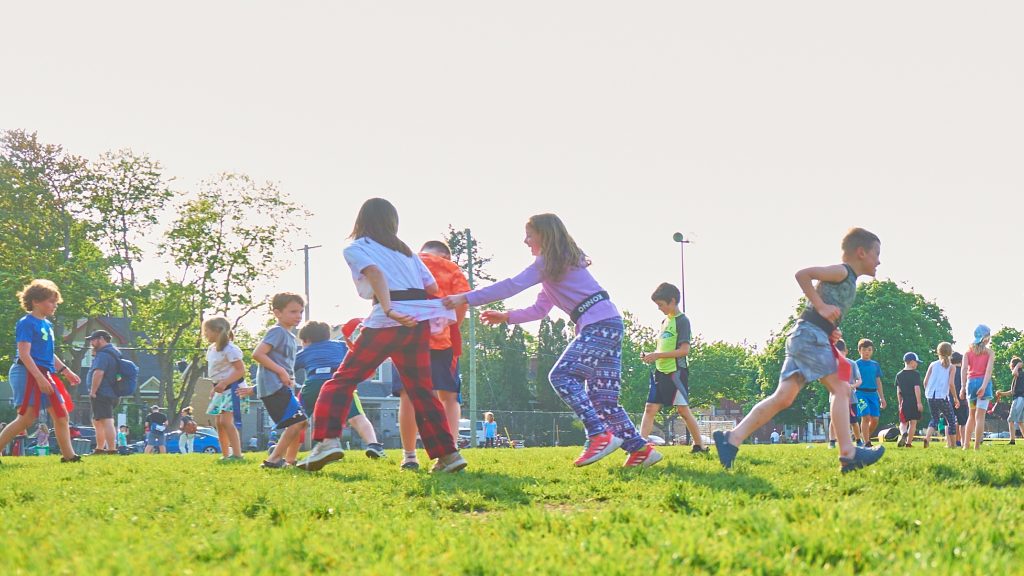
(306, 248)
(678, 237)
(474, 440)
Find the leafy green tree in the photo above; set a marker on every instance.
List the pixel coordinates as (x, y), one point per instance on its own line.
(721, 371)
(636, 375)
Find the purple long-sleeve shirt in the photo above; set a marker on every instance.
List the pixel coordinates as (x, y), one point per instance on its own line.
(575, 286)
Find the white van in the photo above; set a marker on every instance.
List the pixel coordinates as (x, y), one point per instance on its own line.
(464, 431)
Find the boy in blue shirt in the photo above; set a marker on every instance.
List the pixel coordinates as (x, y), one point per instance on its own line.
(870, 397)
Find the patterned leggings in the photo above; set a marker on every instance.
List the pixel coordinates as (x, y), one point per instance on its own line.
(588, 377)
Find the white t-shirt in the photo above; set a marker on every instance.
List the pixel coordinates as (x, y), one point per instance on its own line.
(218, 363)
(402, 273)
(937, 385)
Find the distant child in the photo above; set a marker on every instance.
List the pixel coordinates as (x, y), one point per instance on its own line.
(490, 429)
(187, 425)
(588, 375)
(42, 440)
(870, 396)
(275, 384)
(39, 376)
(961, 412)
(671, 383)
(854, 383)
(224, 366)
(908, 397)
(122, 440)
(810, 355)
(314, 364)
(940, 392)
(977, 388)
(399, 326)
(1016, 391)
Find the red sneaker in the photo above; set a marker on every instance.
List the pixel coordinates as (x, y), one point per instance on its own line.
(598, 446)
(648, 456)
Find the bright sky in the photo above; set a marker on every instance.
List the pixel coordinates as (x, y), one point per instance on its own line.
(761, 130)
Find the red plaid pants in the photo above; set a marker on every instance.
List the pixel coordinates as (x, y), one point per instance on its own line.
(409, 349)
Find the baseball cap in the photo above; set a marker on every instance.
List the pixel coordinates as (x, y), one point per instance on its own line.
(154, 407)
(99, 334)
(910, 357)
(350, 327)
(981, 332)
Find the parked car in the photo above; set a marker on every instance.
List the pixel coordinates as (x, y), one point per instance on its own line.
(206, 442)
(83, 432)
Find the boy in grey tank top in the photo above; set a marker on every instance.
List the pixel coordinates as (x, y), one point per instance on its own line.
(810, 354)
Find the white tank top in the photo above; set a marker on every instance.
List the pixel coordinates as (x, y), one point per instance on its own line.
(937, 385)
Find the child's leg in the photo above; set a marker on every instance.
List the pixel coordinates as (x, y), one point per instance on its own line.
(979, 428)
(223, 421)
(691, 425)
(407, 430)
(63, 433)
(332, 404)
(766, 409)
(647, 422)
(362, 425)
(969, 428)
(19, 425)
(452, 409)
(839, 412)
(234, 436)
(567, 377)
(911, 431)
(289, 440)
(605, 346)
(831, 429)
(412, 359)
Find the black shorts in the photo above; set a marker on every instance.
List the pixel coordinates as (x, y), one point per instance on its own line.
(670, 389)
(284, 408)
(908, 412)
(103, 407)
(442, 376)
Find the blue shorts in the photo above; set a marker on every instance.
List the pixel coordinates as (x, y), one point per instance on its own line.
(156, 439)
(973, 385)
(18, 377)
(868, 404)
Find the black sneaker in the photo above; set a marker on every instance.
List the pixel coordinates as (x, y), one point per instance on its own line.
(270, 464)
(375, 450)
(75, 458)
(410, 465)
(698, 449)
(831, 443)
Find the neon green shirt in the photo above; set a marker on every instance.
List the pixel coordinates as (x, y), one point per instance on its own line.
(675, 331)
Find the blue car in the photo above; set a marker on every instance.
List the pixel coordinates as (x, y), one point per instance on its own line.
(206, 442)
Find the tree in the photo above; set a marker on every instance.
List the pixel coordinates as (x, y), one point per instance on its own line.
(636, 374)
(456, 240)
(720, 371)
(552, 338)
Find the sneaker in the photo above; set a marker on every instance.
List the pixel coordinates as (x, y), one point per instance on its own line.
(374, 450)
(831, 443)
(926, 442)
(903, 441)
(410, 465)
(1012, 442)
(75, 458)
(868, 444)
(958, 444)
(860, 443)
(647, 456)
(598, 446)
(698, 449)
(863, 457)
(277, 465)
(726, 452)
(452, 463)
(322, 454)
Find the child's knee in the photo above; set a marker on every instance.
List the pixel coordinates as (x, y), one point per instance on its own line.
(651, 409)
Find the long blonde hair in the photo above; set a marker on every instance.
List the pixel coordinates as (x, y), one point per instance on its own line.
(559, 250)
(945, 350)
(222, 327)
(980, 347)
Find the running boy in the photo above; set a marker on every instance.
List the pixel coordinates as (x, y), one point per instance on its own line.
(275, 378)
(671, 383)
(870, 397)
(810, 355)
(908, 396)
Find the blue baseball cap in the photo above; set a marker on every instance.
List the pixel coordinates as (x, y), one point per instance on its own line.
(911, 357)
(981, 332)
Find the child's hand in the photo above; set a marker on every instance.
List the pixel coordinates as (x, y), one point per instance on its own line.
(493, 317)
(403, 319)
(650, 357)
(836, 336)
(830, 313)
(73, 378)
(44, 384)
(919, 407)
(454, 301)
(956, 403)
(881, 403)
(244, 391)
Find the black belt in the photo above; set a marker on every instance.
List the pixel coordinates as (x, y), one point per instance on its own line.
(406, 295)
(867, 389)
(587, 304)
(811, 315)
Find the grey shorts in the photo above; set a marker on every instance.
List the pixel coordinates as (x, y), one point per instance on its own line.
(808, 353)
(1016, 410)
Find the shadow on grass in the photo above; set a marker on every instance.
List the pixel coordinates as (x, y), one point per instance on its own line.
(723, 480)
(977, 475)
(475, 491)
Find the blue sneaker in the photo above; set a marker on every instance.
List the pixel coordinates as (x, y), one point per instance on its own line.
(726, 452)
(863, 457)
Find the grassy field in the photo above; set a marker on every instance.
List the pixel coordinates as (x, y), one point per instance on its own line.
(783, 510)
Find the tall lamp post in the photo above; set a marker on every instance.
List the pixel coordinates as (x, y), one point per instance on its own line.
(678, 237)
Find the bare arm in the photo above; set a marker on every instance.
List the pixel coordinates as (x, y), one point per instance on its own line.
(381, 291)
(237, 371)
(881, 393)
(261, 358)
(97, 379)
(679, 352)
(806, 277)
(988, 373)
(952, 387)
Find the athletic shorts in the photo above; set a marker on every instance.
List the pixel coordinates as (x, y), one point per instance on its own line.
(909, 411)
(1016, 410)
(441, 372)
(284, 408)
(868, 404)
(311, 391)
(103, 407)
(808, 353)
(156, 439)
(670, 389)
(973, 385)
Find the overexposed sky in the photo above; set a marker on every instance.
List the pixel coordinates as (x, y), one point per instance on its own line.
(762, 130)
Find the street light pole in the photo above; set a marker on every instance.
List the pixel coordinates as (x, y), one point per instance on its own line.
(306, 248)
(678, 237)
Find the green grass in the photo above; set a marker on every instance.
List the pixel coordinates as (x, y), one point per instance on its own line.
(783, 510)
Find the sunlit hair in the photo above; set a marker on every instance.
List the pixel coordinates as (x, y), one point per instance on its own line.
(437, 247)
(859, 238)
(667, 293)
(980, 346)
(38, 291)
(945, 350)
(559, 250)
(281, 300)
(220, 326)
(378, 221)
(489, 416)
(865, 343)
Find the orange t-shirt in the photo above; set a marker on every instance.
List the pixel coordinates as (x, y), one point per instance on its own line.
(450, 280)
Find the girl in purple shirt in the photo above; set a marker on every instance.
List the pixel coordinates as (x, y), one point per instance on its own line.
(588, 374)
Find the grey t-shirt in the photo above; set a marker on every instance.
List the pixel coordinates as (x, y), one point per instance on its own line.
(282, 352)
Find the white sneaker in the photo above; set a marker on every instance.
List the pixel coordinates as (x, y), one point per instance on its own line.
(327, 451)
(453, 462)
